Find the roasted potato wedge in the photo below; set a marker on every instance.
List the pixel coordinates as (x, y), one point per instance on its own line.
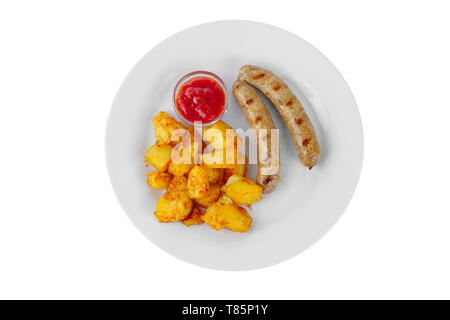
(210, 198)
(225, 200)
(242, 190)
(158, 180)
(179, 169)
(165, 125)
(198, 183)
(215, 175)
(216, 135)
(173, 206)
(159, 156)
(186, 154)
(235, 218)
(220, 159)
(211, 216)
(217, 159)
(187, 147)
(195, 217)
(224, 213)
(178, 183)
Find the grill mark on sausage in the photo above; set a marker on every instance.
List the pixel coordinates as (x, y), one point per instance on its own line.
(259, 76)
(306, 141)
(267, 180)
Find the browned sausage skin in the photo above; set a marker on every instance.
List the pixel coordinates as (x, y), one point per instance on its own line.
(259, 118)
(290, 109)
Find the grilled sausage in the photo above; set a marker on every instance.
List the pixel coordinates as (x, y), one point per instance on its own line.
(259, 118)
(291, 110)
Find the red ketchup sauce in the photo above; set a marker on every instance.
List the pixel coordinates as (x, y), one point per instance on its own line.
(200, 99)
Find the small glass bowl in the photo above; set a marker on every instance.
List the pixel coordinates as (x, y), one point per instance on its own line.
(195, 74)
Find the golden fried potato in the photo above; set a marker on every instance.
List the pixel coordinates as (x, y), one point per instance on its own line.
(242, 190)
(158, 180)
(210, 198)
(173, 206)
(195, 217)
(187, 147)
(218, 159)
(224, 213)
(216, 135)
(225, 159)
(165, 125)
(210, 216)
(179, 169)
(178, 183)
(159, 156)
(215, 175)
(225, 200)
(197, 184)
(186, 153)
(235, 218)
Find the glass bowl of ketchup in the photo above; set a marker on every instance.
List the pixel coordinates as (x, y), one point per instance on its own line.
(200, 97)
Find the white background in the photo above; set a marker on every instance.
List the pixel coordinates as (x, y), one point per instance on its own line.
(62, 231)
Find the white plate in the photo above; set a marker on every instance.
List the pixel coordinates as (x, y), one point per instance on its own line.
(305, 205)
